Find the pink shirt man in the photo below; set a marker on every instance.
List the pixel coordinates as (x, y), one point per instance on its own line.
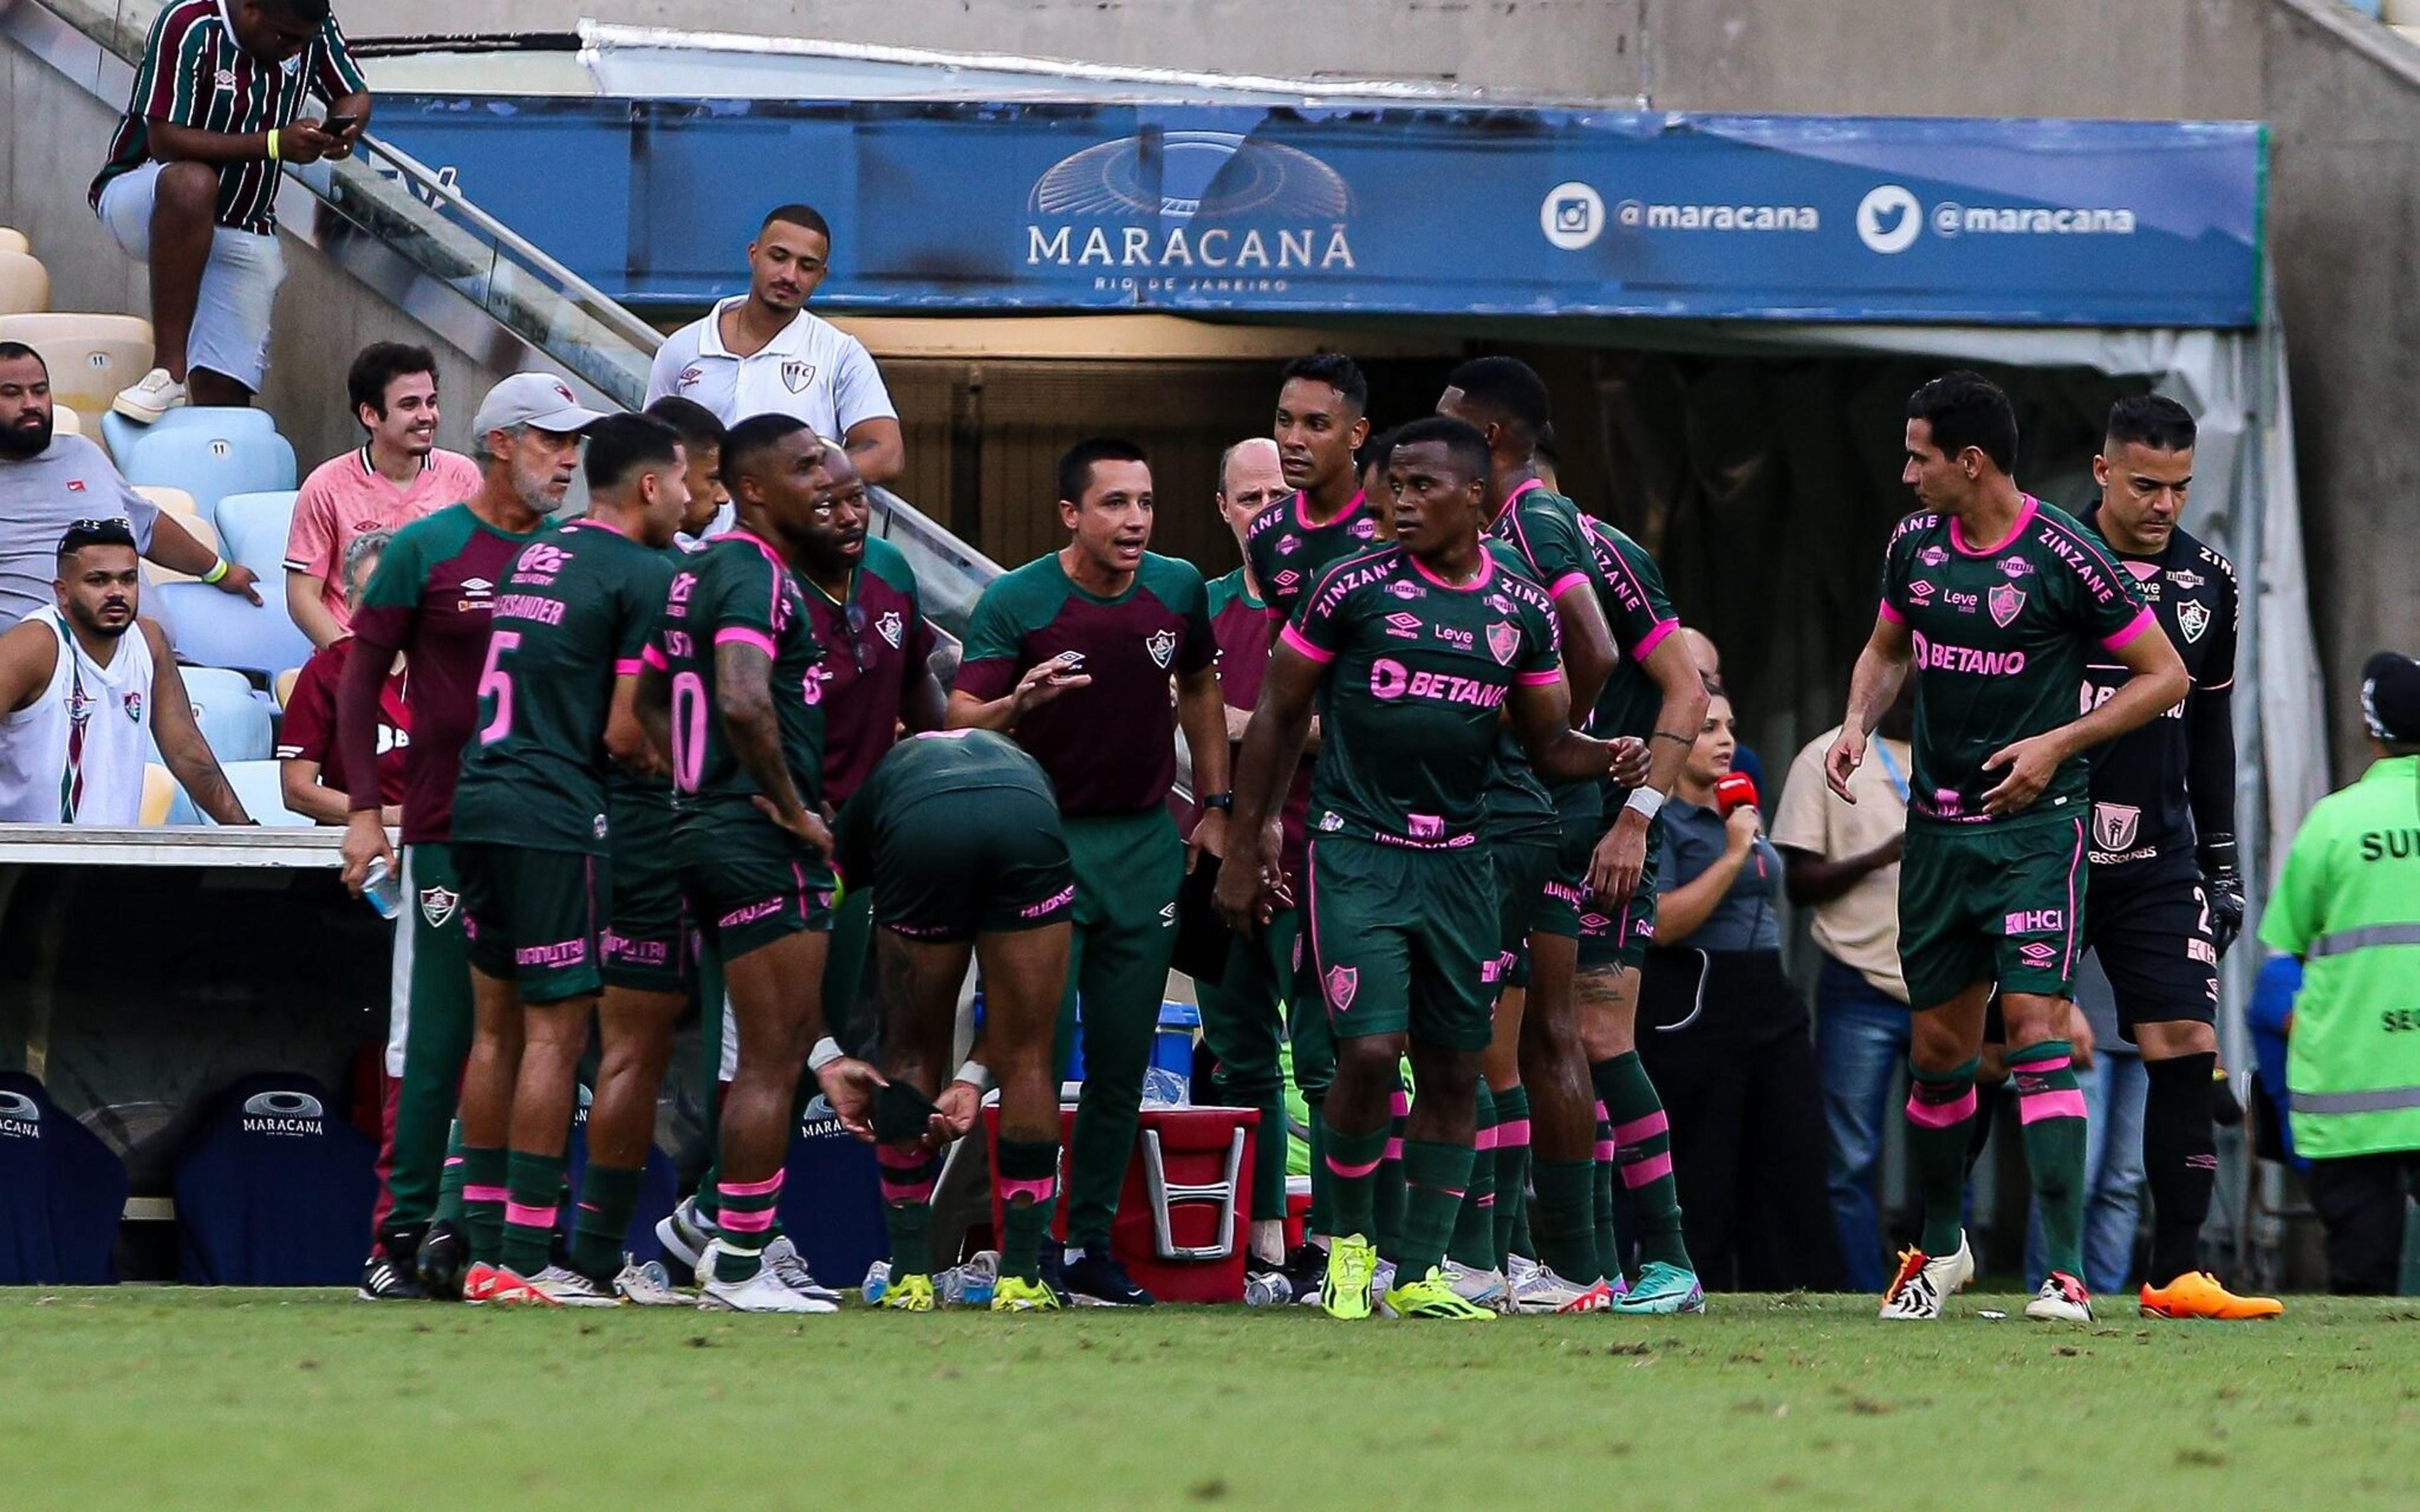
(344, 496)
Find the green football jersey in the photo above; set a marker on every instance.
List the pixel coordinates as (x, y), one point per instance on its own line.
(1548, 543)
(738, 589)
(1288, 553)
(2002, 635)
(1640, 616)
(1415, 676)
(1519, 804)
(573, 613)
(640, 807)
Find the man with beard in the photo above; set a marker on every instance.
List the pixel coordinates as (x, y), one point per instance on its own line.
(78, 696)
(49, 481)
(431, 600)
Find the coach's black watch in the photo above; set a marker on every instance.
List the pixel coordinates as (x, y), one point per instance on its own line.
(1220, 801)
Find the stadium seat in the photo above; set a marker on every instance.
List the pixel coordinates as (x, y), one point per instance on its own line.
(219, 629)
(160, 795)
(283, 686)
(260, 786)
(273, 1189)
(12, 240)
(66, 422)
(205, 455)
(25, 284)
(62, 1192)
(231, 720)
(90, 356)
(253, 527)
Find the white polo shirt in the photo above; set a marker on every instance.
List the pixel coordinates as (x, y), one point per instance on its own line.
(812, 370)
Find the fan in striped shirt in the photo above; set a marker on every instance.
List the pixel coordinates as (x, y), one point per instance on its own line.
(191, 184)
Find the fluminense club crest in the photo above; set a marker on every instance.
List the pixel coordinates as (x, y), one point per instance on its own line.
(2006, 601)
(1504, 641)
(1162, 646)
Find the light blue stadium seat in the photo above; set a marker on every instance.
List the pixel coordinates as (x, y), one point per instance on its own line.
(257, 787)
(231, 720)
(252, 531)
(209, 461)
(121, 434)
(219, 629)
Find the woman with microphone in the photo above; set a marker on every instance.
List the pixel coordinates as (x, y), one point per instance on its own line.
(1725, 1036)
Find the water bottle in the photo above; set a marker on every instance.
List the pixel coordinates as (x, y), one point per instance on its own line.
(1266, 1288)
(878, 1281)
(383, 889)
(970, 1285)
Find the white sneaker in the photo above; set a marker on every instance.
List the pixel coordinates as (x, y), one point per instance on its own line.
(1481, 1289)
(567, 1288)
(1517, 1267)
(2061, 1300)
(789, 1267)
(146, 401)
(1923, 1283)
(683, 1237)
(760, 1294)
(1538, 1289)
(649, 1286)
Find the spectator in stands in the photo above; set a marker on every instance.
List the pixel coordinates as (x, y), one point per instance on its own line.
(396, 477)
(762, 354)
(1724, 1034)
(49, 481)
(191, 184)
(2348, 905)
(310, 761)
(1841, 860)
(81, 699)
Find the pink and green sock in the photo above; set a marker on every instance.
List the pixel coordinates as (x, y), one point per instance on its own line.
(745, 1221)
(907, 1174)
(1027, 1172)
(1940, 1114)
(2050, 1110)
(601, 1218)
(1512, 1166)
(532, 1202)
(1474, 1228)
(1642, 1142)
(1436, 1178)
(484, 1195)
(1353, 1161)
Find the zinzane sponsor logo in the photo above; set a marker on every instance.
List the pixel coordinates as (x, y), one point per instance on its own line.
(291, 1114)
(1391, 680)
(1941, 656)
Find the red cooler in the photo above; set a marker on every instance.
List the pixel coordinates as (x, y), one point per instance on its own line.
(1183, 1215)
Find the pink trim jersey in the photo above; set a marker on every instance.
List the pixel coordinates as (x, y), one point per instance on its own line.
(2002, 633)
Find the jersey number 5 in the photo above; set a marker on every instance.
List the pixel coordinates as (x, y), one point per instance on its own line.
(494, 681)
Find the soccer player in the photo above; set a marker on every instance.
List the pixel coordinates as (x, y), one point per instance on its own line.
(1319, 424)
(956, 837)
(1240, 1011)
(431, 600)
(2166, 896)
(1414, 651)
(530, 835)
(1074, 654)
(648, 965)
(1995, 599)
(1541, 843)
(732, 689)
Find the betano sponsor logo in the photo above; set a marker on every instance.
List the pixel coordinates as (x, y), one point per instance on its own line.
(1192, 211)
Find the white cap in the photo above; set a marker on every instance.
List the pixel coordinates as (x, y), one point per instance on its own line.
(536, 399)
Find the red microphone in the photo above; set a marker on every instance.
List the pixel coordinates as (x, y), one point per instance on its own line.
(1733, 792)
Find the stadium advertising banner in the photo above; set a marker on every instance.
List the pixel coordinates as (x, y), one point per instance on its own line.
(1495, 212)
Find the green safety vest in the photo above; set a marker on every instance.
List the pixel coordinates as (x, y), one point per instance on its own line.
(2349, 905)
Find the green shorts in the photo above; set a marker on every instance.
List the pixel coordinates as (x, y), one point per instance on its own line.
(1403, 940)
(647, 941)
(532, 918)
(749, 885)
(1522, 866)
(1992, 904)
(991, 860)
(1620, 938)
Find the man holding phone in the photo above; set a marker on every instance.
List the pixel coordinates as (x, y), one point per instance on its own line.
(191, 184)
(1074, 655)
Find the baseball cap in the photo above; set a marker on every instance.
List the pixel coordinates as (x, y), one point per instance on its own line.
(539, 399)
(2390, 699)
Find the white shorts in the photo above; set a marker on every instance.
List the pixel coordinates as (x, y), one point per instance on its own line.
(240, 282)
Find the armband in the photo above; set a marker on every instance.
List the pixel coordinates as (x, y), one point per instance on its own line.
(218, 572)
(1645, 802)
(975, 1075)
(827, 1050)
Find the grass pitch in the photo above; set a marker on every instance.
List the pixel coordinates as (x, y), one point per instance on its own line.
(153, 1397)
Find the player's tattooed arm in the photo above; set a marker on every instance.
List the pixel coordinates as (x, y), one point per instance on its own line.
(2158, 683)
(1250, 883)
(1621, 857)
(1881, 668)
(180, 741)
(743, 694)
